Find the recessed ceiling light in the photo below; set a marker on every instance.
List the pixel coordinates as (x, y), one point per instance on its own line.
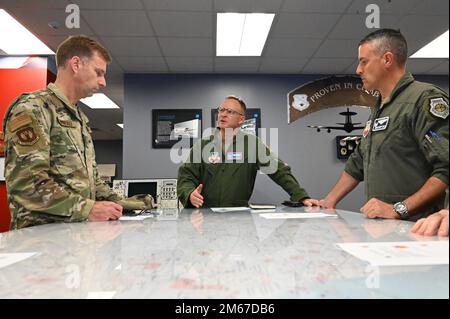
(99, 101)
(438, 48)
(15, 39)
(242, 34)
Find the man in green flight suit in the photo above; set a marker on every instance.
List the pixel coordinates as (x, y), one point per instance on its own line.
(50, 169)
(403, 154)
(221, 169)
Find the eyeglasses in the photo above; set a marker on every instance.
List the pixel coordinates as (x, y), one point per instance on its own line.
(228, 111)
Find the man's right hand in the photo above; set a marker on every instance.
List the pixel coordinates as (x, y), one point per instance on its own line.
(327, 203)
(104, 211)
(196, 198)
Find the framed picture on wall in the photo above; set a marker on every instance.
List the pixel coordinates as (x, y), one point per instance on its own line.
(169, 126)
(252, 120)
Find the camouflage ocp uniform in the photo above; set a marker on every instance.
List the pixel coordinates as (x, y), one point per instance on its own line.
(50, 169)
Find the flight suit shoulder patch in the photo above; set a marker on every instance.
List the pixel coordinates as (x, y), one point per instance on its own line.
(19, 121)
(27, 136)
(439, 107)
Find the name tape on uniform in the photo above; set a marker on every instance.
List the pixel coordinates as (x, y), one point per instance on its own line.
(380, 124)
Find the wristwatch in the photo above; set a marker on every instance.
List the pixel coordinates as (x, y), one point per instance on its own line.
(401, 209)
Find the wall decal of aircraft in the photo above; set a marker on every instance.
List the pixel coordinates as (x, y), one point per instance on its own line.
(348, 126)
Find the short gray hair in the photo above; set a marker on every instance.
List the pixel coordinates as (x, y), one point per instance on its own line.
(389, 40)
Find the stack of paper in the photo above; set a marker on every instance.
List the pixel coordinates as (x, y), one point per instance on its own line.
(262, 206)
(410, 253)
(228, 209)
(296, 215)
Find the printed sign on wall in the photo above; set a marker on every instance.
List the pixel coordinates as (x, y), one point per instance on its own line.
(334, 91)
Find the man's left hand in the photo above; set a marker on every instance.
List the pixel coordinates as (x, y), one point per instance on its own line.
(376, 208)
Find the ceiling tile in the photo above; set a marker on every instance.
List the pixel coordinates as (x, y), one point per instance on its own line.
(177, 5)
(259, 6)
(420, 30)
(338, 49)
(386, 6)
(143, 64)
(352, 68)
(109, 4)
(282, 65)
(293, 47)
(186, 46)
(300, 25)
(327, 66)
(352, 26)
(52, 41)
(131, 46)
(441, 69)
(322, 6)
(118, 23)
(435, 7)
(236, 64)
(42, 4)
(175, 24)
(190, 65)
(422, 66)
(36, 20)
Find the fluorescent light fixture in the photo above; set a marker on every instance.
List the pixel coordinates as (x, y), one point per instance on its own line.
(438, 48)
(15, 39)
(120, 125)
(99, 101)
(242, 34)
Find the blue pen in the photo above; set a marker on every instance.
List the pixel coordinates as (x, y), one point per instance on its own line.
(435, 135)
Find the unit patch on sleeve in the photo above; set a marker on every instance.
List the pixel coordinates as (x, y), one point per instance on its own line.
(27, 136)
(439, 108)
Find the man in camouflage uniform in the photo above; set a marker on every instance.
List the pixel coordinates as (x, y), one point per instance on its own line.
(225, 176)
(50, 169)
(403, 155)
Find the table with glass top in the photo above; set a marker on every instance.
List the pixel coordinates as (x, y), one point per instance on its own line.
(201, 254)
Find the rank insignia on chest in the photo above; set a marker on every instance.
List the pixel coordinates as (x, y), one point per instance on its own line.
(367, 128)
(214, 158)
(439, 108)
(27, 136)
(380, 124)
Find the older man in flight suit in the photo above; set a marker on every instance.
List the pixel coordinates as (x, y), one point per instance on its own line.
(50, 169)
(221, 169)
(403, 155)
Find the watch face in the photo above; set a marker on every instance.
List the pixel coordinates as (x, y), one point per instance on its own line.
(401, 209)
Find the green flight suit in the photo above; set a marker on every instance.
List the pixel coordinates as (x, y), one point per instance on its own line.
(404, 144)
(228, 173)
(50, 169)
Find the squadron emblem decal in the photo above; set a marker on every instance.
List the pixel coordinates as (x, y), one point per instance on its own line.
(439, 108)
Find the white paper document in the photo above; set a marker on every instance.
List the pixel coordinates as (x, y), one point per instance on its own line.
(410, 253)
(296, 215)
(12, 258)
(229, 209)
(259, 211)
(101, 294)
(138, 217)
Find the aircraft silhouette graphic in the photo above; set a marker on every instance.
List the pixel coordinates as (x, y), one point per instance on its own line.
(348, 126)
